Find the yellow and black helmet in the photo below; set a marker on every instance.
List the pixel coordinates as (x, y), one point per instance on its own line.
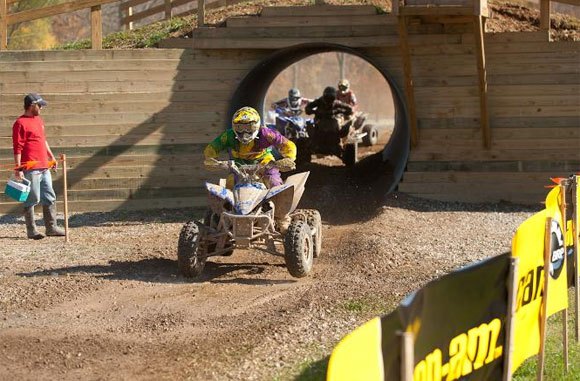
(246, 124)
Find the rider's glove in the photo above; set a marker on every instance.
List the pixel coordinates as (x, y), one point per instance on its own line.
(285, 164)
(212, 164)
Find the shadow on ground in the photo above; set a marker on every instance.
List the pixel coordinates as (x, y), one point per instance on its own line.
(315, 371)
(162, 270)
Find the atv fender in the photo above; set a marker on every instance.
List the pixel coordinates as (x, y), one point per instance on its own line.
(218, 194)
(287, 195)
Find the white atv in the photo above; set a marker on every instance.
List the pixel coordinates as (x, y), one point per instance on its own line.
(253, 216)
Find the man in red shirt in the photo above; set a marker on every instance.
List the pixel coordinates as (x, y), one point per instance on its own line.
(31, 151)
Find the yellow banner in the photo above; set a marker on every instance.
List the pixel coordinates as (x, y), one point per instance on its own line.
(358, 357)
(528, 246)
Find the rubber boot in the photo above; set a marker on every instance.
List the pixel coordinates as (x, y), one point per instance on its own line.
(31, 231)
(49, 214)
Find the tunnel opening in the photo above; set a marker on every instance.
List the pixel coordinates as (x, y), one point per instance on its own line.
(382, 170)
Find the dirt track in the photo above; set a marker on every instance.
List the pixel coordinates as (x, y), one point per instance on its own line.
(110, 305)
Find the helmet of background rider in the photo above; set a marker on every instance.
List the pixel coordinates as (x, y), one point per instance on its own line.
(294, 98)
(246, 124)
(329, 94)
(343, 85)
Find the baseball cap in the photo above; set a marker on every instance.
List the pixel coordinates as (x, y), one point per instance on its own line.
(33, 98)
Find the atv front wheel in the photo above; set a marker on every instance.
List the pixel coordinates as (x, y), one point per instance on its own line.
(349, 155)
(372, 136)
(303, 151)
(298, 251)
(188, 252)
(315, 223)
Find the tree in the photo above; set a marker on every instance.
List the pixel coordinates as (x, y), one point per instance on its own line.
(35, 34)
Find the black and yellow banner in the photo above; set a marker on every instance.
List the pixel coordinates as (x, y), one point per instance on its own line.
(458, 326)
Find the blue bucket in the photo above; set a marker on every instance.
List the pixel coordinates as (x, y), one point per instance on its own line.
(17, 190)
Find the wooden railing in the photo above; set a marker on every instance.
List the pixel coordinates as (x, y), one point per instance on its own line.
(167, 9)
(7, 19)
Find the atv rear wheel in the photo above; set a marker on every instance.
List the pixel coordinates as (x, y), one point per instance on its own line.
(188, 251)
(349, 155)
(298, 252)
(315, 223)
(372, 136)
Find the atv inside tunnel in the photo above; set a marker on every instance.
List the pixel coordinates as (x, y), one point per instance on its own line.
(388, 164)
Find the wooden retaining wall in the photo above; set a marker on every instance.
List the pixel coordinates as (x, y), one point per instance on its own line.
(134, 123)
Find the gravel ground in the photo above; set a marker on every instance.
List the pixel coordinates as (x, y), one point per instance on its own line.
(110, 304)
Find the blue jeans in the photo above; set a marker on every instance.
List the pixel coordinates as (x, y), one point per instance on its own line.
(40, 188)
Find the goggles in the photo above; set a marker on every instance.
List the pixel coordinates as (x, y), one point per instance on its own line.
(246, 127)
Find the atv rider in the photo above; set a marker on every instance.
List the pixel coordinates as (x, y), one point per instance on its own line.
(293, 104)
(344, 93)
(247, 142)
(330, 116)
(327, 106)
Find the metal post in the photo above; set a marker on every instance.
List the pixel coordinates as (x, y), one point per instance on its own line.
(544, 310)
(407, 355)
(576, 232)
(563, 207)
(511, 318)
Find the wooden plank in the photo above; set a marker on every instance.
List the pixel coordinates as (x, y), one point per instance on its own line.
(482, 76)
(517, 196)
(545, 15)
(96, 28)
(279, 43)
(409, 88)
(480, 178)
(121, 87)
(95, 153)
(125, 5)
(201, 13)
(115, 140)
(176, 43)
(497, 188)
(53, 10)
(91, 55)
(308, 21)
(436, 11)
(171, 76)
(438, 3)
(111, 205)
(565, 166)
(532, 46)
(30, 70)
(528, 122)
(318, 10)
(494, 154)
(504, 133)
(123, 118)
(571, 2)
(256, 32)
(3, 25)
